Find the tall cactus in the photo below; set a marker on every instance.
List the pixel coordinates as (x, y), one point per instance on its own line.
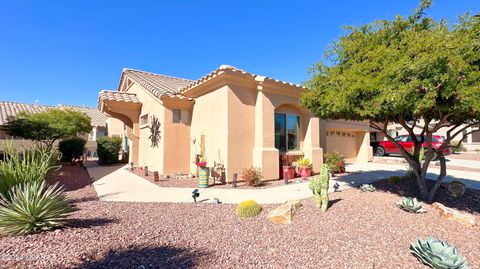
(319, 186)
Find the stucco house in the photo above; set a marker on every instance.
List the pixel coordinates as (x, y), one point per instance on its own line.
(11, 109)
(243, 119)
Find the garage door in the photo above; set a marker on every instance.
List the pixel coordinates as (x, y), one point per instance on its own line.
(343, 142)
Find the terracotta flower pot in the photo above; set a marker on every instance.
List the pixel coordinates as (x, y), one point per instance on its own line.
(304, 171)
(290, 170)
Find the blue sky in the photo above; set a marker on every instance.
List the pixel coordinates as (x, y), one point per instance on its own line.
(64, 52)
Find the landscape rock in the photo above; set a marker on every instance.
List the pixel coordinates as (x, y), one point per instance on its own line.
(455, 189)
(284, 213)
(455, 215)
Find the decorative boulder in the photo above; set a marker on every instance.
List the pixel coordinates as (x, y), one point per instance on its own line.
(455, 215)
(456, 189)
(283, 214)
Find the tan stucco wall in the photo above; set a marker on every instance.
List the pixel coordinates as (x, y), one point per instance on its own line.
(115, 127)
(177, 137)
(153, 157)
(210, 118)
(241, 128)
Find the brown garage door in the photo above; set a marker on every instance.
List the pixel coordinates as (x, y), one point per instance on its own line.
(343, 142)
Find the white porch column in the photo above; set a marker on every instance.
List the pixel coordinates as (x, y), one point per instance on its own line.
(311, 145)
(265, 155)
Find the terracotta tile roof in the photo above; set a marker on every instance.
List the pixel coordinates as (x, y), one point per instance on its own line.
(161, 85)
(118, 96)
(11, 109)
(158, 85)
(228, 68)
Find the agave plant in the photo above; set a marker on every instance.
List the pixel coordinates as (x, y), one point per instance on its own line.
(367, 188)
(33, 207)
(411, 205)
(27, 165)
(438, 254)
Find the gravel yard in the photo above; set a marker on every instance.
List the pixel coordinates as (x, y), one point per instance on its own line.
(360, 230)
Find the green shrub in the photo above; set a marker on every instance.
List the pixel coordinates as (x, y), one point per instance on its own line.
(457, 146)
(252, 176)
(72, 148)
(108, 149)
(33, 207)
(27, 165)
(394, 179)
(438, 254)
(335, 162)
(248, 209)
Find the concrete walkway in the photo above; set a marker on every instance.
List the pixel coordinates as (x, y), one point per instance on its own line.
(115, 183)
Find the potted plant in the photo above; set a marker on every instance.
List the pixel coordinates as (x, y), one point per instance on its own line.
(335, 162)
(304, 167)
(287, 166)
(203, 172)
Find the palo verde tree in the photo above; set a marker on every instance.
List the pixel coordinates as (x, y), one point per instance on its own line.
(49, 126)
(414, 71)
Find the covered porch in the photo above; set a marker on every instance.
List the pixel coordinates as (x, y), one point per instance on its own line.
(125, 107)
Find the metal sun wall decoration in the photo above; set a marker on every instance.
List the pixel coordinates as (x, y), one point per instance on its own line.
(155, 132)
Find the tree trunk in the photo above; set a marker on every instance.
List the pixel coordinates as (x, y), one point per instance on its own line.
(438, 183)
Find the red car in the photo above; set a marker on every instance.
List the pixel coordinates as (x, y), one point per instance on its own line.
(388, 147)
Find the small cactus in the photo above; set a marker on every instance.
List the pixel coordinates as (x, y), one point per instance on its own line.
(248, 209)
(319, 186)
(367, 188)
(438, 254)
(411, 205)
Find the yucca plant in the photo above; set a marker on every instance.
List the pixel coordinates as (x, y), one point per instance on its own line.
(367, 188)
(248, 209)
(33, 207)
(438, 254)
(411, 205)
(27, 165)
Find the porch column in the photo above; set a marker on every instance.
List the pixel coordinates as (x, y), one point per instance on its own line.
(133, 134)
(265, 155)
(311, 145)
(365, 151)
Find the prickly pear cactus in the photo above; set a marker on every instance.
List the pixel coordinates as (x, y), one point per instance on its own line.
(319, 186)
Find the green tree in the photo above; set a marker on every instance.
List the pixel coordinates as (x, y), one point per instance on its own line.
(414, 71)
(49, 126)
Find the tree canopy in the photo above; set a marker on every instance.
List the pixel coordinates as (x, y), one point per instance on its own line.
(49, 126)
(406, 71)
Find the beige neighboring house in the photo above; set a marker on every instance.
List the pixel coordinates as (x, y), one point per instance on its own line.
(244, 120)
(11, 109)
(471, 141)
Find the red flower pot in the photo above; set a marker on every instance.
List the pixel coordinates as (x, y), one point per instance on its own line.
(290, 170)
(304, 171)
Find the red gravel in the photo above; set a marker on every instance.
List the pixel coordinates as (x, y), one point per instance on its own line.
(360, 230)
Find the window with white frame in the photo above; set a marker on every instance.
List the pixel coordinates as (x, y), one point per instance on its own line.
(287, 131)
(144, 119)
(177, 115)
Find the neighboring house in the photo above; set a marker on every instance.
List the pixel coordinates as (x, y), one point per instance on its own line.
(99, 120)
(471, 141)
(241, 119)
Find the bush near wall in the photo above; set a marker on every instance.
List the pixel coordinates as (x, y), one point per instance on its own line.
(72, 148)
(108, 149)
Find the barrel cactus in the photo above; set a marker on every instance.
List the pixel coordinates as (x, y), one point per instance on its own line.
(411, 205)
(319, 187)
(248, 209)
(438, 254)
(367, 188)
